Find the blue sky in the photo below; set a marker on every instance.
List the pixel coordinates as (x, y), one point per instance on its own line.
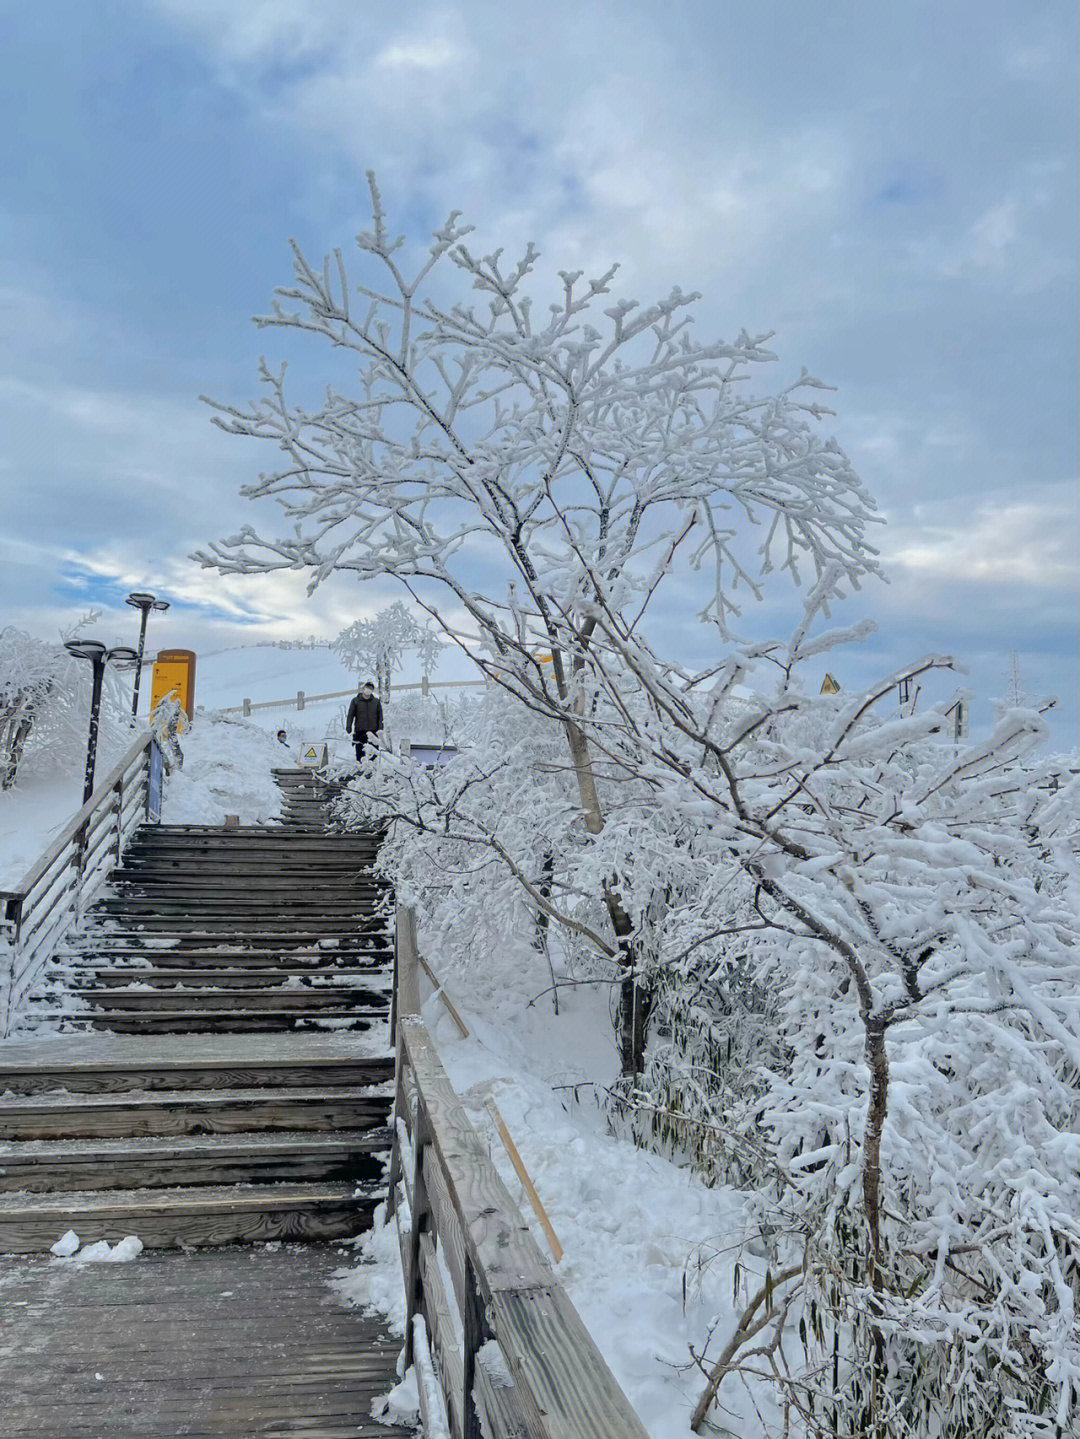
(890, 189)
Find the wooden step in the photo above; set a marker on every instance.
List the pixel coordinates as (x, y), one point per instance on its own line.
(282, 841)
(272, 881)
(324, 975)
(43, 1166)
(202, 1216)
(261, 918)
(225, 1111)
(342, 999)
(107, 1064)
(225, 1021)
(300, 961)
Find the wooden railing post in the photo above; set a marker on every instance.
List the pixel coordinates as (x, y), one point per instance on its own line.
(418, 1214)
(475, 1332)
(118, 847)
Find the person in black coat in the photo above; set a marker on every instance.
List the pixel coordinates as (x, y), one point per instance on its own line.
(364, 719)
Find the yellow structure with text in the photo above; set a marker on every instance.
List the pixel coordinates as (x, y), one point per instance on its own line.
(174, 678)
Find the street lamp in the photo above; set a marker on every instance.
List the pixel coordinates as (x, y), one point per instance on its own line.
(144, 603)
(94, 651)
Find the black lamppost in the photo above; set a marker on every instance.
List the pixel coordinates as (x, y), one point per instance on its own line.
(144, 603)
(94, 651)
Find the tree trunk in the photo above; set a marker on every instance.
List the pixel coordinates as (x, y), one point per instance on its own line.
(635, 997)
(877, 1060)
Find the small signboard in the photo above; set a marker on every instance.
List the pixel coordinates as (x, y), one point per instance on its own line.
(430, 755)
(314, 756)
(829, 685)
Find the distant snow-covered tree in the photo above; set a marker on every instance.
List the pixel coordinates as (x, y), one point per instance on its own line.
(379, 645)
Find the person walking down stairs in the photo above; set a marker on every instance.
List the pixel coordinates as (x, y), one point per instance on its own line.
(365, 718)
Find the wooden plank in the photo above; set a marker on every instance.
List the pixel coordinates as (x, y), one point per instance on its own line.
(152, 1162)
(565, 1388)
(446, 1222)
(562, 1379)
(68, 1058)
(444, 1334)
(495, 1234)
(284, 1357)
(201, 1215)
(172, 1112)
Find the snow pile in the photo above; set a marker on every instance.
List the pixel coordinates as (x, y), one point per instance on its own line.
(122, 1252)
(401, 1405)
(226, 770)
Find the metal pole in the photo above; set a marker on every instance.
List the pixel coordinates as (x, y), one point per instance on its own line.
(145, 610)
(95, 711)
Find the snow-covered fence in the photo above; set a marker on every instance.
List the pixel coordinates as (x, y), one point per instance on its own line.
(299, 700)
(35, 914)
(485, 1314)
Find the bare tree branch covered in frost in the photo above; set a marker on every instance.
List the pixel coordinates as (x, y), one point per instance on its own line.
(857, 939)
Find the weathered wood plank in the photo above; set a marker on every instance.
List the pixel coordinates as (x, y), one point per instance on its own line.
(307, 1370)
(444, 1333)
(563, 1384)
(171, 1112)
(495, 1234)
(200, 1216)
(107, 1063)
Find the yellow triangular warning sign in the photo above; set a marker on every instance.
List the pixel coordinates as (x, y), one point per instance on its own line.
(829, 685)
(311, 752)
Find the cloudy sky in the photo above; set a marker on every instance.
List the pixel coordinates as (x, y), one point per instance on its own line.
(891, 189)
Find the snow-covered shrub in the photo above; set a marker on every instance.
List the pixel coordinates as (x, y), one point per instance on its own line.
(45, 704)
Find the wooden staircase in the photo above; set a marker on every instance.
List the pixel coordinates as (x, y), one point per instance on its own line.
(307, 797)
(195, 1096)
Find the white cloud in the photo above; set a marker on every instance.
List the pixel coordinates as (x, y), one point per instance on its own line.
(1022, 542)
(993, 235)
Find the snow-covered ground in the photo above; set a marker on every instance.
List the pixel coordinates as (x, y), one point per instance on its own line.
(227, 770)
(34, 811)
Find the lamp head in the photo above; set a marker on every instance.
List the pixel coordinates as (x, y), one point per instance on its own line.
(85, 649)
(139, 600)
(123, 657)
(161, 605)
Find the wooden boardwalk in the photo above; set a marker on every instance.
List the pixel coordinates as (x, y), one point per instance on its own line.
(191, 1100)
(246, 1340)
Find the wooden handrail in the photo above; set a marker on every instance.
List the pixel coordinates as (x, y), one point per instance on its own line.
(456, 1218)
(292, 701)
(71, 829)
(56, 889)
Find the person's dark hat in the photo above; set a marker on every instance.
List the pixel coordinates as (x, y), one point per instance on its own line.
(367, 684)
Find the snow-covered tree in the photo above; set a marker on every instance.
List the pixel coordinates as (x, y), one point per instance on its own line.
(380, 644)
(591, 453)
(912, 934)
(869, 928)
(44, 697)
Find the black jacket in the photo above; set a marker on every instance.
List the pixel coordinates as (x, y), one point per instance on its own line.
(365, 716)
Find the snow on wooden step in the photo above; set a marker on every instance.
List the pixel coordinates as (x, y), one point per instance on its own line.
(202, 1215)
